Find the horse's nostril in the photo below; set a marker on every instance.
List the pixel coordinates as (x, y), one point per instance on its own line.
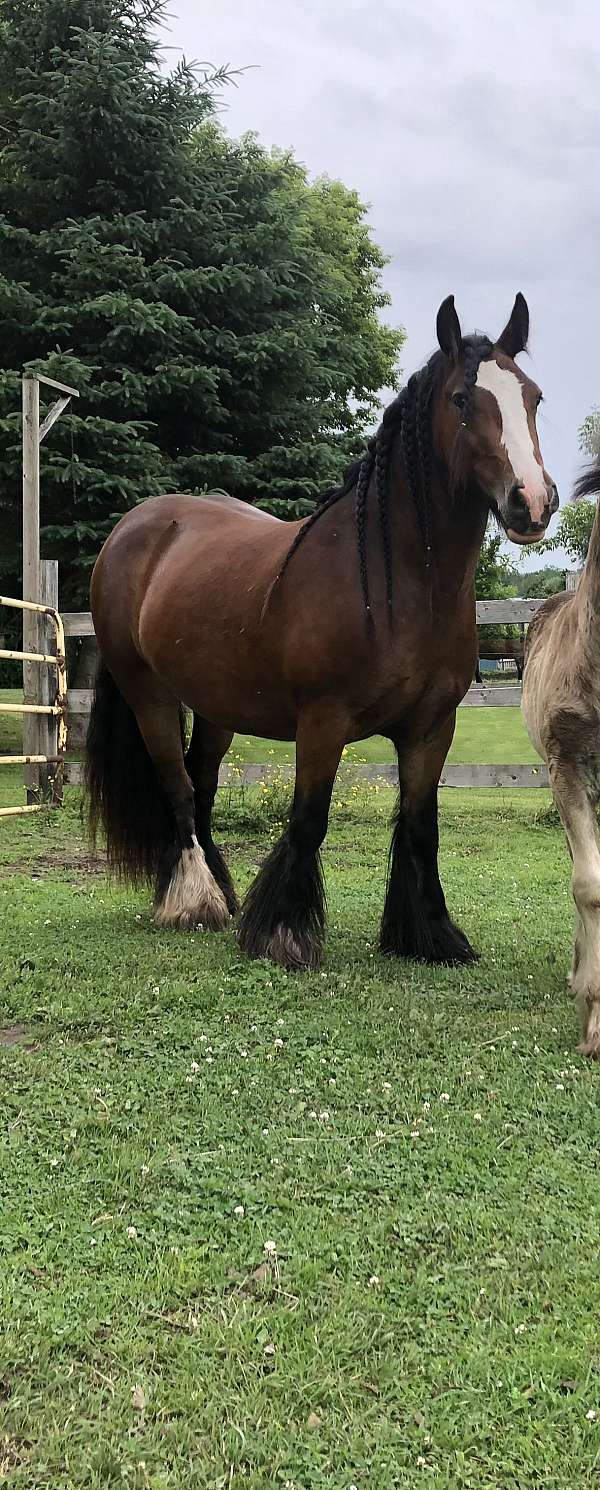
(554, 503)
(517, 513)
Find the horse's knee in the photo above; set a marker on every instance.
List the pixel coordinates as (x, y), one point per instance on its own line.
(586, 892)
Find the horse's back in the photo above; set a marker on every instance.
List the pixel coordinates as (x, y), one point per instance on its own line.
(167, 530)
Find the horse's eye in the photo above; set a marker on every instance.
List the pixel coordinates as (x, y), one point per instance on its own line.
(460, 399)
(539, 400)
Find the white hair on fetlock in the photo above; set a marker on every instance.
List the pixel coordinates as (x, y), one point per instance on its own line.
(192, 897)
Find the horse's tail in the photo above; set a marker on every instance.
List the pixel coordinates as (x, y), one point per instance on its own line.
(124, 795)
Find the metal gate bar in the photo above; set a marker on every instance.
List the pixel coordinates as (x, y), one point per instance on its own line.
(58, 708)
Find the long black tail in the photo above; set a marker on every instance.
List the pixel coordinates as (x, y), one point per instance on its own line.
(124, 795)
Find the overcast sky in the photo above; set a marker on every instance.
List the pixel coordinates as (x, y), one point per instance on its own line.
(472, 130)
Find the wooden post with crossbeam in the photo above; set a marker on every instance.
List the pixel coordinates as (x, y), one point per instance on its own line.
(36, 587)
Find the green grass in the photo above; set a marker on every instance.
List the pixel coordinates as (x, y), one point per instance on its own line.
(429, 1314)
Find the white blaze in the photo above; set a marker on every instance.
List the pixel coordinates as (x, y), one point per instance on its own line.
(516, 435)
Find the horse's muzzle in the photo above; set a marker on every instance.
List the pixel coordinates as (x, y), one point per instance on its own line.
(516, 515)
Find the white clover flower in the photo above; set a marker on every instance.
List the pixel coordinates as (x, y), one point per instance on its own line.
(270, 1248)
(131, 1232)
(239, 1211)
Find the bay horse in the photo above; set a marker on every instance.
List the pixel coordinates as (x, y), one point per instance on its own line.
(360, 620)
(561, 709)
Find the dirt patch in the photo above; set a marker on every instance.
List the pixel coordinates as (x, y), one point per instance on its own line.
(48, 864)
(18, 1034)
(12, 1453)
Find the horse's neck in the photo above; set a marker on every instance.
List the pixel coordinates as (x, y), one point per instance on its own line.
(457, 532)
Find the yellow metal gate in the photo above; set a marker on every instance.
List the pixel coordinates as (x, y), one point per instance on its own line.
(58, 708)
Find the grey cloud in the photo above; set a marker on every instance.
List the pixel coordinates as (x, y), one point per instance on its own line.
(473, 133)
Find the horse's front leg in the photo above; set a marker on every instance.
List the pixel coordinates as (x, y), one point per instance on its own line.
(415, 919)
(283, 916)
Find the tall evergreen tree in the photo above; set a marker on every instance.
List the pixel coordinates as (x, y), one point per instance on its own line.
(219, 314)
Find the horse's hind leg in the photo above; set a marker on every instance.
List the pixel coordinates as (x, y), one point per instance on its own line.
(207, 747)
(187, 895)
(283, 916)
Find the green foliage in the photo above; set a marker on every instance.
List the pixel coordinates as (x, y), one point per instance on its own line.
(494, 579)
(574, 530)
(219, 314)
(537, 584)
(589, 434)
(574, 527)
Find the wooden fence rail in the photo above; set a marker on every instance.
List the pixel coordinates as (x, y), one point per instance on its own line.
(489, 613)
(79, 624)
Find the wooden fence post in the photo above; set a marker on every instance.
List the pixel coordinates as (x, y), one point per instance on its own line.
(31, 570)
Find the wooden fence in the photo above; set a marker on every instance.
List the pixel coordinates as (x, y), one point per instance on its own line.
(78, 624)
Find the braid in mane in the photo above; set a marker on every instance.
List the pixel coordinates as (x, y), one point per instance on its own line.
(424, 455)
(360, 509)
(323, 506)
(382, 451)
(409, 442)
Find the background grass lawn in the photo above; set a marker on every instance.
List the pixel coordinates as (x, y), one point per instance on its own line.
(260, 1230)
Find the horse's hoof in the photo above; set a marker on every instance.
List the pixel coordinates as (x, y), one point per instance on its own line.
(441, 943)
(295, 951)
(590, 1048)
(191, 898)
(209, 917)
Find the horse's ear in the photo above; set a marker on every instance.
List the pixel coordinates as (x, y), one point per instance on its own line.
(448, 329)
(514, 337)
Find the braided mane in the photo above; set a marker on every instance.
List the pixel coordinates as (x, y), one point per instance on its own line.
(409, 418)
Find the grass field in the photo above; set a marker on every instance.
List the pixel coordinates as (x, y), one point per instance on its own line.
(266, 1231)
